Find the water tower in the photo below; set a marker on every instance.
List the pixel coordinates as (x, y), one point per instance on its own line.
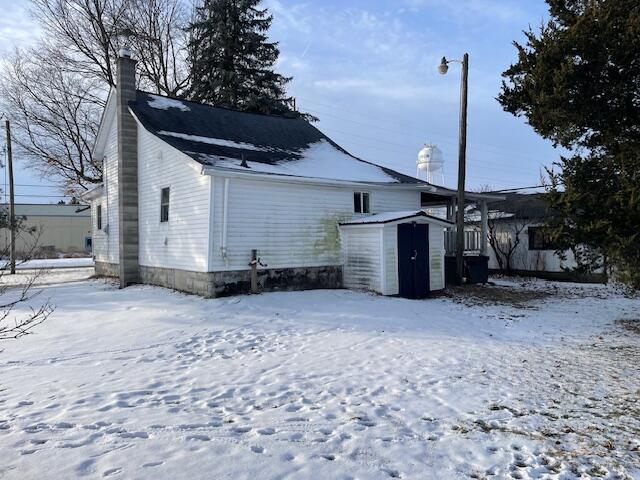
(430, 163)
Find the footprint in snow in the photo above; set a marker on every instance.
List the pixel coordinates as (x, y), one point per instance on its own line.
(64, 425)
(257, 449)
(267, 431)
(134, 435)
(111, 471)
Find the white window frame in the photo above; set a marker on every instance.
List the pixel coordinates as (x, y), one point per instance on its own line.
(362, 196)
(99, 216)
(168, 205)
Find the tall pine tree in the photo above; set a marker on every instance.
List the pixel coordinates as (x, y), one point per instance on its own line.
(577, 81)
(232, 61)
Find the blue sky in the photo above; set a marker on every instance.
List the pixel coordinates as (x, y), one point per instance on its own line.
(367, 69)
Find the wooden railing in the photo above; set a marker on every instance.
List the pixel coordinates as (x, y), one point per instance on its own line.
(471, 241)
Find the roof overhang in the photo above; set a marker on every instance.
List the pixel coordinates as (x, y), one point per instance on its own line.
(394, 218)
(108, 115)
(275, 177)
(92, 194)
(435, 197)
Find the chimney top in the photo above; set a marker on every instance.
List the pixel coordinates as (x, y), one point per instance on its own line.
(125, 52)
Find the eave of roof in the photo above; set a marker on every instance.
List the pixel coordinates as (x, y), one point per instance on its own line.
(390, 217)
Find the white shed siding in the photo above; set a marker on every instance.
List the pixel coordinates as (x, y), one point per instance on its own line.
(362, 252)
(391, 259)
(436, 257)
(291, 225)
(182, 242)
(105, 241)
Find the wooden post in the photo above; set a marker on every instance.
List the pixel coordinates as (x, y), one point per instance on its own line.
(254, 271)
(12, 212)
(484, 227)
(462, 158)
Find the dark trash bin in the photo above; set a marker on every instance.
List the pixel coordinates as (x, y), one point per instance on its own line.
(477, 268)
(450, 274)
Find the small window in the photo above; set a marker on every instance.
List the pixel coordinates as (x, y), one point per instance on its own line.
(164, 205)
(539, 239)
(361, 202)
(99, 217)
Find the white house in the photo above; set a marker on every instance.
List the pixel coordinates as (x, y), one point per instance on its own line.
(519, 243)
(192, 192)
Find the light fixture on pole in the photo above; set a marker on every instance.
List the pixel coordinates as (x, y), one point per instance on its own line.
(443, 68)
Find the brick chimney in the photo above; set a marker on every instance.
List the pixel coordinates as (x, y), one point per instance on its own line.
(127, 170)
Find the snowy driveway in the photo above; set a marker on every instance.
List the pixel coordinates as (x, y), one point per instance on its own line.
(147, 383)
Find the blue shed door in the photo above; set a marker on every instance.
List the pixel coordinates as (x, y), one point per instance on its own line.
(413, 260)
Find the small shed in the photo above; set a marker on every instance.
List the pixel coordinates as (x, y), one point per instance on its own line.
(394, 253)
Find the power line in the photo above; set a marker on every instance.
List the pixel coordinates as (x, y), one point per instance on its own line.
(42, 185)
(377, 141)
(36, 195)
(404, 125)
(507, 190)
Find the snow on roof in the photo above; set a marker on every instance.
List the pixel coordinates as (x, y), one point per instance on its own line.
(164, 103)
(214, 141)
(319, 160)
(387, 217)
(224, 138)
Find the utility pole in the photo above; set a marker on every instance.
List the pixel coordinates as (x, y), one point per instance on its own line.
(443, 68)
(462, 168)
(12, 213)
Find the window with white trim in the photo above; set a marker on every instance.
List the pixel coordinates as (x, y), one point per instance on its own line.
(99, 217)
(164, 204)
(361, 202)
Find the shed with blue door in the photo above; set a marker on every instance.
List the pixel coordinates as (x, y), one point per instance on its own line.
(394, 253)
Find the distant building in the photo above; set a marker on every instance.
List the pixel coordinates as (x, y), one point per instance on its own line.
(517, 237)
(50, 229)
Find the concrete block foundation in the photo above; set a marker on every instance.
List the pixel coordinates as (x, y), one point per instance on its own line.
(220, 284)
(104, 269)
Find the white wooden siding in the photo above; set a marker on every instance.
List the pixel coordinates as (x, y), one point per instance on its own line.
(525, 259)
(392, 286)
(105, 241)
(291, 225)
(436, 257)
(182, 242)
(363, 257)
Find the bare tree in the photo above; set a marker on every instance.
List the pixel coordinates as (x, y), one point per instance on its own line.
(14, 324)
(55, 114)
(156, 30)
(55, 92)
(88, 31)
(504, 238)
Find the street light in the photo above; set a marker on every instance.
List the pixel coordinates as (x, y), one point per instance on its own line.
(443, 68)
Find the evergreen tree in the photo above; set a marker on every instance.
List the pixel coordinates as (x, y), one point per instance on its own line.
(232, 61)
(577, 81)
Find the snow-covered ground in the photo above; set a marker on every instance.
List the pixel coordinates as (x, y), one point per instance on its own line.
(533, 380)
(37, 263)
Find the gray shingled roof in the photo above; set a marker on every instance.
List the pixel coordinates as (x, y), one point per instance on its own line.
(221, 137)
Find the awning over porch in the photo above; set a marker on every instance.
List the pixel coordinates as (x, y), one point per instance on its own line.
(437, 197)
(389, 217)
